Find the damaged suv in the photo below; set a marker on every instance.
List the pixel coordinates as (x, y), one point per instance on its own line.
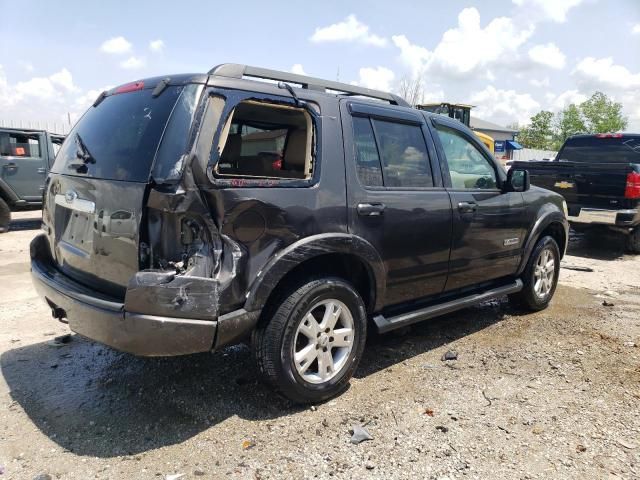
(190, 212)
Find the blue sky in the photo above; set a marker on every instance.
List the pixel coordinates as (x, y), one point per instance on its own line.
(510, 58)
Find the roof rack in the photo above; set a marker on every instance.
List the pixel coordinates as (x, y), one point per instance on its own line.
(234, 70)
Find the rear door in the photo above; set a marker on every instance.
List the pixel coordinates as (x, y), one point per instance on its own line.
(96, 192)
(488, 225)
(396, 198)
(22, 163)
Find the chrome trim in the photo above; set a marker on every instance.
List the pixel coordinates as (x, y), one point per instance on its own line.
(599, 215)
(75, 203)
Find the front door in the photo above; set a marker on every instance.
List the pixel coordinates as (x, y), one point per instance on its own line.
(396, 198)
(22, 163)
(488, 225)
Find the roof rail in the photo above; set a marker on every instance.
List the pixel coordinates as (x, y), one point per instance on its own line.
(234, 70)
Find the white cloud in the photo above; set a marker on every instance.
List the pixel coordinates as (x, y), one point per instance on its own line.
(414, 56)
(378, 78)
(156, 46)
(548, 55)
(26, 66)
(504, 106)
(563, 100)
(46, 88)
(603, 73)
(466, 49)
(133, 63)
(348, 30)
(635, 30)
(116, 45)
(297, 68)
(540, 83)
(555, 10)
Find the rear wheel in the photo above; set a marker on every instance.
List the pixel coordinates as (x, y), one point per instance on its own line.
(633, 241)
(5, 216)
(310, 347)
(540, 276)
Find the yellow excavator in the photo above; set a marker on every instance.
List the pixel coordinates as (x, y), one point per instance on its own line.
(459, 111)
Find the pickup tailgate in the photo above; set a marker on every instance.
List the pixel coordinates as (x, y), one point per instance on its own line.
(591, 171)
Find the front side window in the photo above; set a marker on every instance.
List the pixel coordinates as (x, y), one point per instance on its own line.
(20, 144)
(468, 167)
(403, 152)
(266, 140)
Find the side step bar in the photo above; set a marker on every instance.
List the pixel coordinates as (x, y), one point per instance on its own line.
(388, 324)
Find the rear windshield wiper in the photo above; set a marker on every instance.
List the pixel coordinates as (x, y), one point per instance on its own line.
(83, 154)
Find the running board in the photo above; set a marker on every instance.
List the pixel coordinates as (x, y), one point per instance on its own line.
(388, 324)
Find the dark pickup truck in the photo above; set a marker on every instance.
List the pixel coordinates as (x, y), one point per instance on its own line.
(599, 177)
(25, 159)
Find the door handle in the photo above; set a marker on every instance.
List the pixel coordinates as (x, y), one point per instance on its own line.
(467, 207)
(371, 209)
(11, 167)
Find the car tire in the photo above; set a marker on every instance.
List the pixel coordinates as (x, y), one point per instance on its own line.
(633, 241)
(308, 344)
(540, 276)
(5, 216)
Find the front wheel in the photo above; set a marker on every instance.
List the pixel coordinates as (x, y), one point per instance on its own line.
(310, 347)
(540, 276)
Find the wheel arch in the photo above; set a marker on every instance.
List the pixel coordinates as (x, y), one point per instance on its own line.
(344, 255)
(551, 222)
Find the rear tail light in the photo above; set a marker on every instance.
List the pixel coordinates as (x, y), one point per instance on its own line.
(633, 186)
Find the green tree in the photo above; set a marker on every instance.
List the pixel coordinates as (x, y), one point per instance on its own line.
(602, 115)
(568, 122)
(539, 134)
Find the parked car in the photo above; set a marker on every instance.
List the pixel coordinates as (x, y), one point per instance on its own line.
(25, 158)
(189, 212)
(599, 177)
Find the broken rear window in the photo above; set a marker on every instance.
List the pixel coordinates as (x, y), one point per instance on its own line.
(266, 140)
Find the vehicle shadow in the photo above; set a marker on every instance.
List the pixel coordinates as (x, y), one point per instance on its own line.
(92, 400)
(600, 245)
(25, 224)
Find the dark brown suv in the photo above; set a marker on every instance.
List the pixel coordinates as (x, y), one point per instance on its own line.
(191, 212)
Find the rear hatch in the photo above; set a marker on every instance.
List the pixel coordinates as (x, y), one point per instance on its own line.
(95, 196)
(593, 170)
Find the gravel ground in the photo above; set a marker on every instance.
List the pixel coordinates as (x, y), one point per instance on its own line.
(548, 395)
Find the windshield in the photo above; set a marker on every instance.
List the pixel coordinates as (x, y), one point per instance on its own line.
(601, 150)
(118, 139)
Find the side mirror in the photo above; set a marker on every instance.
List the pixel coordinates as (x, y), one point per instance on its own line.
(517, 180)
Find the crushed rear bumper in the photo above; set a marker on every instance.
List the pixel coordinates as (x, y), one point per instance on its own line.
(105, 320)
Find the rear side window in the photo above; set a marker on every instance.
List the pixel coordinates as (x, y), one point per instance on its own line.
(265, 140)
(20, 144)
(601, 150)
(118, 139)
